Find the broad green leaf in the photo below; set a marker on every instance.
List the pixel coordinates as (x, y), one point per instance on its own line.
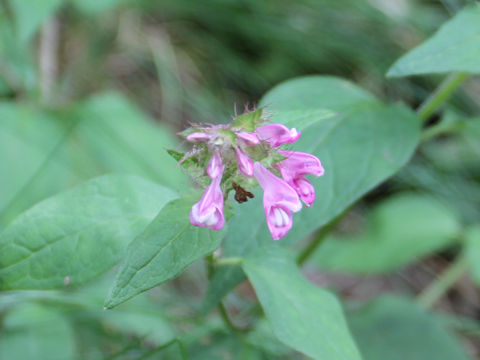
(454, 47)
(94, 7)
(472, 239)
(359, 147)
(79, 234)
(31, 331)
(313, 92)
(31, 14)
(303, 316)
(166, 247)
(120, 138)
(392, 328)
(400, 230)
(106, 133)
(32, 135)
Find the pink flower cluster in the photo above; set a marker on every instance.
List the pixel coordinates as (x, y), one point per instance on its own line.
(281, 194)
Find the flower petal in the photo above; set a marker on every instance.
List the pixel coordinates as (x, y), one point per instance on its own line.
(215, 166)
(245, 164)
(208, 212)
(248, 138)
(277, 134)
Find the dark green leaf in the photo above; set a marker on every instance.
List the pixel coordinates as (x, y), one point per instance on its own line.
(79, 234)
(392, 328)
(166, 247)
(472, 239)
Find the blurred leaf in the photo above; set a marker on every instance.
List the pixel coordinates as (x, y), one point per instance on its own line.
(78, 234)
(31, 331)
(95, 7)
(302, 315)
(121, 138)
(30, 15)
(400, 230)
(359, 147)
(166, 247)
(312, 92)
(472, 238)
(392, 328)
(106, 133)
(454, 47)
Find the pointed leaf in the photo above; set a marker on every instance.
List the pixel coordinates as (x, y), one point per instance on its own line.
(79, 234)
(454, 47)
(166, 247)
(303, 316)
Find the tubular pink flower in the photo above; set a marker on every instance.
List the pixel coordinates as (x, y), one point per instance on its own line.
(215, 166)
(198, 137)
(208, 212)
(248, 138)
(279, 201)
(245, 164)
(277, 134)
(294, 167)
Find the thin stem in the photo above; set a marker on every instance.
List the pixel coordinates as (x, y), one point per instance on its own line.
(440, 287)
(236, 261)
(308, 250)
(440, 129)
(442, 93)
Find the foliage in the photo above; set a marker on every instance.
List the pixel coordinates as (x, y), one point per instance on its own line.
(98, 258)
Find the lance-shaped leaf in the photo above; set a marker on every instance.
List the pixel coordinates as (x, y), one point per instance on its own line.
(303, 316)
(79, 234)
(166, 247)
(455, 47)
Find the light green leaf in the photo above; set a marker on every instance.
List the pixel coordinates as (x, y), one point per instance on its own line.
(392, 328)
(79, 234)
(166, 247)
(454, 47)
(400, 230)
(302, 315)
(472, 239)
(106, 133)
(31, 331)
(313, 92)
(31, 14)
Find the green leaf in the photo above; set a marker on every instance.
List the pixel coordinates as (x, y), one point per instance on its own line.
(31, 331)
(312, 92)
(121, 138)
(392, 328)
(106, 133)
(360, 146)
(303, 316)
(399, 230)
(79, 234)
(248, 121)
(30, 15)
(454, 47)
(166, 247)
(472, 239)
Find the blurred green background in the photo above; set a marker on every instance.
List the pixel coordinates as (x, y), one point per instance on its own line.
(90, 87)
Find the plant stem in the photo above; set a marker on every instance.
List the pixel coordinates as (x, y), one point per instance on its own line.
(229, 261)
(308, 250)
(441, 128)
(440, 287)
(438, 97)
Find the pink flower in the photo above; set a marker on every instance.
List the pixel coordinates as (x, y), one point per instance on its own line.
(279, 201)
(215, 166)
(245, 164)
(294, 167)
(208, 212)
(198, 137)
(248, 138)
(277, 134)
